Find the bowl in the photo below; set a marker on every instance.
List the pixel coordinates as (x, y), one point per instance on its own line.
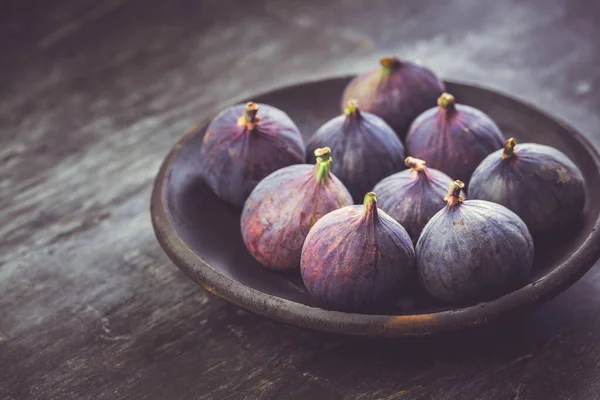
(201, 234)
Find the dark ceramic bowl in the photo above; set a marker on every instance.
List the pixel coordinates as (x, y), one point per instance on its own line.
(201, 234)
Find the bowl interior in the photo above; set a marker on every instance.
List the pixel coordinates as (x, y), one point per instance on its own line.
(211, 228)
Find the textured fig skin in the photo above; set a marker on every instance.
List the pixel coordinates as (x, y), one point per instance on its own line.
(234, 159)
(540, 184)
(413, 197)
(398, 95)
(474, 251)
(281, 210)
(352, 261)
(364, 149)
(453, 142)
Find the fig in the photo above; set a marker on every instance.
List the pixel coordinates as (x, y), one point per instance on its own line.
(539, 183)
(453, 138)
(357, 257)
(413, 196)
(240, 148)
(473, 250)
(285, 205)
(398, 92)
(365, 149)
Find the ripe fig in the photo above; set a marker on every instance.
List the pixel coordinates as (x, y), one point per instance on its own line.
(365, 149)
(241, 148)
(473, 250)
(413, 196)
(539, 183)
(285, 205)
(453, 138)
(398, 92)
(357, 257)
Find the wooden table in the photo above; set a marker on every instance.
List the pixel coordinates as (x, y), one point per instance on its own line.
(93, 93)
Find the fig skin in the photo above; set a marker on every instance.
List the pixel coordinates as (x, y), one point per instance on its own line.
(413, 196)
(357, 258)
(365, 149)
(539, 183)
(473, 250)
(453, 138)
(397, 91)
(243, 145)
(284, 206)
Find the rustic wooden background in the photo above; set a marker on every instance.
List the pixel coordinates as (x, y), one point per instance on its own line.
(93, 93)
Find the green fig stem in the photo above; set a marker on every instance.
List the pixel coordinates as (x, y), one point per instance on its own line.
(370, 204)
(447, 102)
(509, 148)
(390, 63)
(453, 197)
(323, 156)
(249, 119)
(352, 110)
(414, 164)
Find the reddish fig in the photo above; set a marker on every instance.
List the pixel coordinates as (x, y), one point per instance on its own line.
(413, 196)
(365, 149)
(241, 148)
(539, 183)
(285, 205)
(453, 138)
(398, 92)
(473, 250)
(357, 257)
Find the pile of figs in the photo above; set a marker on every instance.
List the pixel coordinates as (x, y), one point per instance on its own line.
(405, 188)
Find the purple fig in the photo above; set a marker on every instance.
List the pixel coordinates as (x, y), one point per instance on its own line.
(539, 183)
(240, 148)
(365, 149)
(285, 205)
(473, 250)
(398, 92)
(453, 138)
(357, 257)
(413, 196)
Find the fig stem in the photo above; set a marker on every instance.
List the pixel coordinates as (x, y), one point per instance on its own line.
(509, 148)
(453, 197)
(447, 102)
(370, 204)
(414, 164)
(389, 63)
(249, 119)
(323, 156)
(352, 109)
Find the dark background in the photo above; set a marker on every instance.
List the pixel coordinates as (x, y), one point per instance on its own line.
(93, 94)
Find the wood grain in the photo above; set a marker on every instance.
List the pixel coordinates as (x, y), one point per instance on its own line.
(92, 96)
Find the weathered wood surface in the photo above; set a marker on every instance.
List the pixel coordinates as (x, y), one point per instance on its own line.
(92, 96)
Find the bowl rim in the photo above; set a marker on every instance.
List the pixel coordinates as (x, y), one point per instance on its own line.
(315, 318)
